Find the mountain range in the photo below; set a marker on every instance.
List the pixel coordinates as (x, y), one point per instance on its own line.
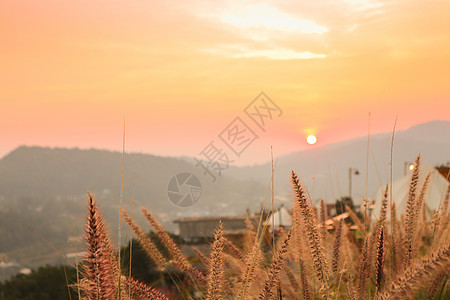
(325, 170)
(43, 190)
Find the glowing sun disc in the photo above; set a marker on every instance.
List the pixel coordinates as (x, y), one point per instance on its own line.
(311, 139)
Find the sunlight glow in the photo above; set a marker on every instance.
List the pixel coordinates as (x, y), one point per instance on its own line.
(268, 17)
(311, 139)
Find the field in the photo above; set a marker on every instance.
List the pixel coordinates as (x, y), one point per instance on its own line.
(400, 255)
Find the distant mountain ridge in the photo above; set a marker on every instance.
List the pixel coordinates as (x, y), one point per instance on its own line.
(38, 171)
(60, 171)
(330, 164)
(437, 131)
(44, 175)
(434, 131)
(45, 188)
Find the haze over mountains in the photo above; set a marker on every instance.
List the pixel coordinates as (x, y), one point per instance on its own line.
(330, 164)
(36, 171)
(44, 173)
(45, 188)
(43, 196)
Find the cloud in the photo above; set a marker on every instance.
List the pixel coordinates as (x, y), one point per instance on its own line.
(260, 21)
(265, 16)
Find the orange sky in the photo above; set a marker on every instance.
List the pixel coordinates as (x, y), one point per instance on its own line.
(180, 71)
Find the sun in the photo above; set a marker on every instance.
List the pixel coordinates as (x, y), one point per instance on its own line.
(311, 139)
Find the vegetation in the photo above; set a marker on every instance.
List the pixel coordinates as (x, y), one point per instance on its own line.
(42, 195)
(45, 283)
(388, 258)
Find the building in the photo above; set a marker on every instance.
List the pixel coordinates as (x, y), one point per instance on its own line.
(197, 230)
(445, 171)
(281, 218)
(434, 195)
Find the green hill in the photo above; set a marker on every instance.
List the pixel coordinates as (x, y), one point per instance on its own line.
(43, 192)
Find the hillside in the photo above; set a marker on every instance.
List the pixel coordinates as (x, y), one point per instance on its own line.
(43, 192)
(330, 164)
(45, 172)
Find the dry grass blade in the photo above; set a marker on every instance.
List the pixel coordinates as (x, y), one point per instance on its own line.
(418, 228)
(99, 263)
(149, 247)
(304, 278)
(410, 214)
(355, 219)
(395, 244)
(421, 199)
(382, 218)
(403, 287)
(436, 283)
(215, 280)
(351, 291)
(142, 290)
(252, 260)
(323, 218)
(443, 220)
(274, 271)
(379, 261)
(446, 201)
(234, 249)
(202, 257)
(249, 224)
(292, 281)
(297, 248)
(435, 222)
(311, 228)
(384, 206)
(250, 235)
(179, 260)
(364, 271)
(337, 247)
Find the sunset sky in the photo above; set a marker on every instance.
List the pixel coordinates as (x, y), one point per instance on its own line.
(179, 72)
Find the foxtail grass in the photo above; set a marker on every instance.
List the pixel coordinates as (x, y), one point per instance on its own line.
(372, 260)
(100, 262)
(215, 286)
(310, 224)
